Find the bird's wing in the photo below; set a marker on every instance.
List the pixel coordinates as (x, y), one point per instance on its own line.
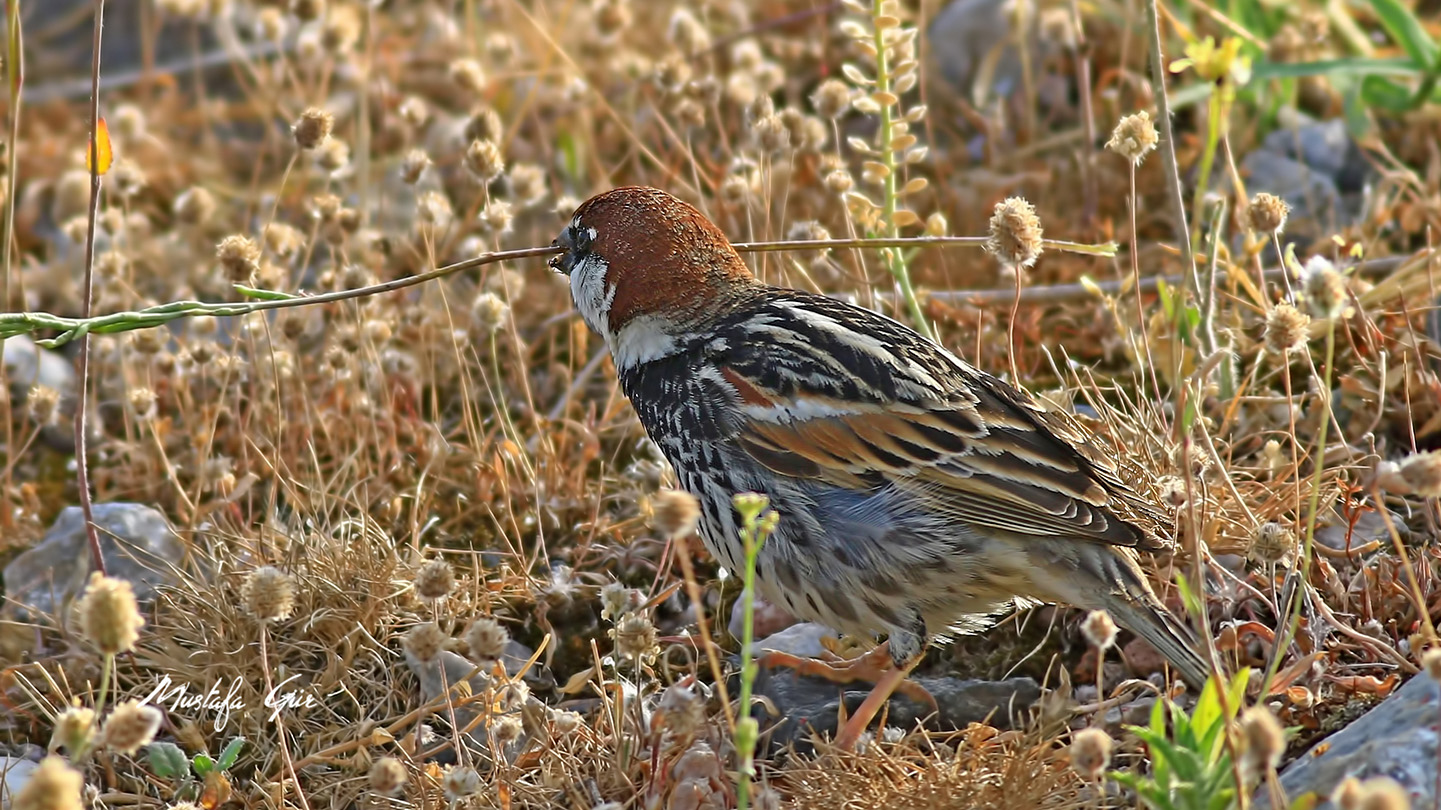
(838, 394)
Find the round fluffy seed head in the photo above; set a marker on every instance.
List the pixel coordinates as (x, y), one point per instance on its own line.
(239, 257)
(488, 313)
(616, 600)
(194, 206)
(831, 99)
(1430, 661)
(433, 211)
(1271, 543)
(42, 405)
(635, 637)
(424, 641)
(770, 134)
(680, 711)
(387, 775)
(413, 165)
(268, 594)
(1267, 213)
(1325, 288)
(312, 128)
(460, 782)
(52, 786)
(839, 181)
(1134, 137)
(1015, 233)
(468, 75)
(527, 184)
(109, 616)
(130, 726)
(508, 729)
(1264, 741)
(496, 217)
(1422, 472)
(484, 125)
(307, 10)
(676, 513)
(1091, 753)
(1347, 794)
(1383, 793)
(74, 729)
(487, 639)
(688, 34)
(483, 160)
(1099, 629)
(1172, 491)
(435, 580)
(1287, 329)
(332, 155)
(565, 722)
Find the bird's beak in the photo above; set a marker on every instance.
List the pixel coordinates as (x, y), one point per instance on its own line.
(561, 262)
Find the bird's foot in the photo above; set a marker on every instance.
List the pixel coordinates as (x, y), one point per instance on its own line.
(875, 666)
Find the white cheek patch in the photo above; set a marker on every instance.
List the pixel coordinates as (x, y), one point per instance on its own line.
(641, 340)
(591, 294)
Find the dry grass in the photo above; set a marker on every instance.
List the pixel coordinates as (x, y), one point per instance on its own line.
(476, 420)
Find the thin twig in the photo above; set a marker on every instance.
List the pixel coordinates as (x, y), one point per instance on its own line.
(82, 362)
(1168, 143)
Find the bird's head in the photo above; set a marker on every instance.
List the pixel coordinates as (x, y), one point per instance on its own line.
(646, 269)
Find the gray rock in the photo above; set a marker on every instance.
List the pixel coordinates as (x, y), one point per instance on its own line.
(1396, 739)
(14, 773)
(28, 365)
(1324, 146)
(136, 541)
(962, 37)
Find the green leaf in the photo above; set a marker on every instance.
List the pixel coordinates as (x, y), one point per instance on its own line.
(1401, 23)
(264, 295)
(202, 763)
(1334, 68)
(167, 760)
(1386, 94)
(231, 753)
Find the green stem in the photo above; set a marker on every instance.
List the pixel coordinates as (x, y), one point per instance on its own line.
(895, 262)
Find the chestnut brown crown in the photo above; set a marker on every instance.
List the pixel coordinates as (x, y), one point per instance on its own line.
(636, 252)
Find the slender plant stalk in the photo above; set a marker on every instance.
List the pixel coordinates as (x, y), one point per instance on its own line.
(82, 362)
(894, 261)
(757, 525)
(1168, 143)
(15, 68)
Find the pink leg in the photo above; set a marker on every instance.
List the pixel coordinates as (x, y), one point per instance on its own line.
(856, 725)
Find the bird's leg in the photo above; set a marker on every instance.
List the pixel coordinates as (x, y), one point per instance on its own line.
(888, 683)
(875, 666)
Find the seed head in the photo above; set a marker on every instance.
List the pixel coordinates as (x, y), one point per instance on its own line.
(676, 513)
(413, 165)
(74, 729)
(566, 722)
(1173, 491)
(1347, 794)
(424, 641)
(483, 159)
(109, 616)
(433, 211)
(307, 10)
(1287, 329)
(1422, 473)
(130, 726)
(616, 600)
(1267, 213)
(239, 257)
(341, 30)
(271, 25)
(194, 206)
(487, 639)
(488, 313)
(332, 155)
(435, 580)
(687, 33)
(611, 17)
(387, 775)
(1134, 137)
(1264, 740)
(1090, 753)
(508, 729)
(52, 786)
(1099, 629)
(1383, 793)
(1271, 543)
(268, 594)
(831, 99)
(1325, 288)
(468, 76)
(496, 217)
(460, 782)
(42, 405)
(635, 637)
(1015, 233)
(312, 128)
(142, 403)
(839, 181)
(680, 711)
(527, 184)
(484, 125)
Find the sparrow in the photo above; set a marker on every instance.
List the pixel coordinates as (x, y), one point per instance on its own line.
(917, 495)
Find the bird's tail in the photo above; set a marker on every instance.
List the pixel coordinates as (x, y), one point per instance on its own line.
(1149, 619)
